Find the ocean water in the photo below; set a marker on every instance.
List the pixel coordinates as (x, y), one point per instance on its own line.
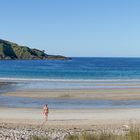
(78, 73)
(75, 69)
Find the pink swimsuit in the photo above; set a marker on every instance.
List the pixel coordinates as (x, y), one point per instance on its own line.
(46, 111)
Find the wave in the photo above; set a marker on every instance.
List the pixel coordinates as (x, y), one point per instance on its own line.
(66, 80)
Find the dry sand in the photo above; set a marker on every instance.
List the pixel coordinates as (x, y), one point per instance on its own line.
(69, 118)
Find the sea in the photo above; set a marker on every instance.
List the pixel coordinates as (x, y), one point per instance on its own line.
(77, 73)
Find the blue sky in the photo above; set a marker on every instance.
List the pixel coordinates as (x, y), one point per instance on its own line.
(106, 28)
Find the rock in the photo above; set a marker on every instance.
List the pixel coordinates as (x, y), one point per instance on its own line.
(57, 57)
(126, 127)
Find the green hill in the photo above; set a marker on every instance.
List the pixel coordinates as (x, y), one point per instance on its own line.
(10, 50)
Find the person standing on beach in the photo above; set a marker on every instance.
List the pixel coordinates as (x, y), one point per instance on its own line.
(46, 112)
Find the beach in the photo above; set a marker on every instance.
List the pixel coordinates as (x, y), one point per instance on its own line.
(70, 70)
(27, 122)
(123, 106)
(70, 118)
(85, 99)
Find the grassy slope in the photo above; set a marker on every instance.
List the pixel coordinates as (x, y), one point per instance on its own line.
(15, 51)
(132, 134)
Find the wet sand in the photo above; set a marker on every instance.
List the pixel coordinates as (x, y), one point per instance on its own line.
(94, 94)
(79, 118)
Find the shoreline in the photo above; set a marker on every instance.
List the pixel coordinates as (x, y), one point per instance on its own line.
(13, 79)
(73, 99)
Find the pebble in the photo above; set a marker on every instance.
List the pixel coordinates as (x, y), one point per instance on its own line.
(26, 133)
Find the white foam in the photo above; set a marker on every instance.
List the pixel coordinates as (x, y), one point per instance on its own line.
(68, 80)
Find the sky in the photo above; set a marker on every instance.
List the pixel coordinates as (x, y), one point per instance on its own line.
(80, 28)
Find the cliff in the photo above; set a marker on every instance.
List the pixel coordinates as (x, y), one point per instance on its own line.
(13, 51)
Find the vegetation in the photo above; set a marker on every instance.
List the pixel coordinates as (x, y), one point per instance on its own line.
(9, 50)
(132, 134)
(39, 138)
(101, 136)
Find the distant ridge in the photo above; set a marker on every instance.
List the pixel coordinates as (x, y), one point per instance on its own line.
(13, 51)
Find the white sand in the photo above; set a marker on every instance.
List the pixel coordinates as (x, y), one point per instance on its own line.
(70, 118)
